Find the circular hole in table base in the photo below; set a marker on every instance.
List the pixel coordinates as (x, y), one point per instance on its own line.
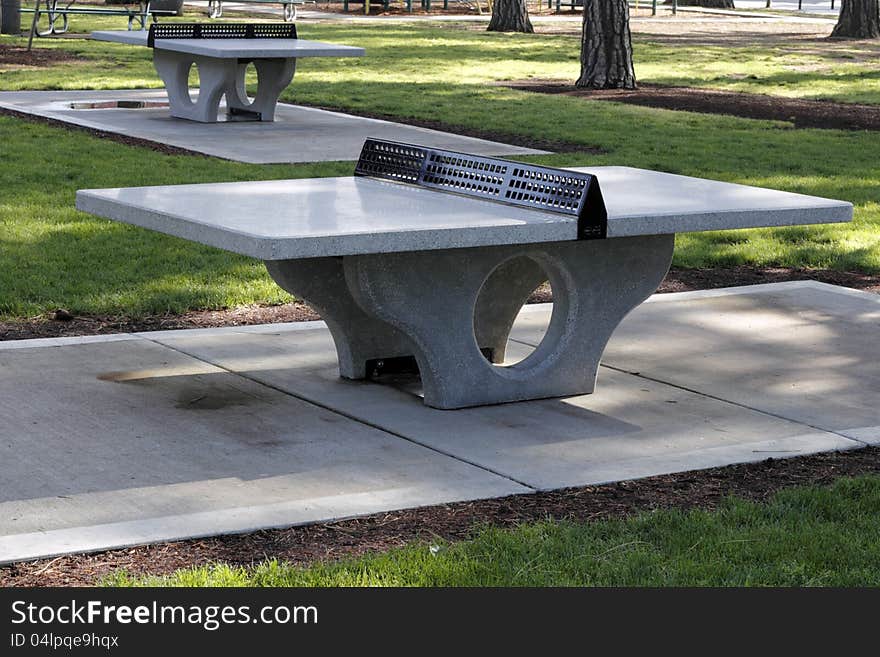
(516, 352)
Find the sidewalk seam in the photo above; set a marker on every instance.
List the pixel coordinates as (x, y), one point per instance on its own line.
(348, 416)
(734, 403)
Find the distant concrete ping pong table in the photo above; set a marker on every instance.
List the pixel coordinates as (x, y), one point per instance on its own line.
(400, 269)
(221, 52)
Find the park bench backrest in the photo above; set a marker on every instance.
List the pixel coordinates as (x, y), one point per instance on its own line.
(492, 179)
(220, 31)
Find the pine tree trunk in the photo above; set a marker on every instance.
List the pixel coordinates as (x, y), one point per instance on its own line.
(510, 16)
(10, 17)
(715, 4)
(606, 46)
(859, 19)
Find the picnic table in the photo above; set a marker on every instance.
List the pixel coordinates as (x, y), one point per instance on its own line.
(288, 7)
(427, 256)
(222, 52)
(58, 12)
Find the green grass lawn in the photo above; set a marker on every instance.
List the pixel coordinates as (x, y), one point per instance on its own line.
(54, 256)
(801, 537)
(460, 53)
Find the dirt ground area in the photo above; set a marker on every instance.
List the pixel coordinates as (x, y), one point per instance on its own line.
(12, 57)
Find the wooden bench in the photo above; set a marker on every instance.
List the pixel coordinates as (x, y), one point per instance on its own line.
(403, 271)
(221, 52)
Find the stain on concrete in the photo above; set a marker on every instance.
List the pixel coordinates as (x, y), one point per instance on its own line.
(214, 398)
(197, 392)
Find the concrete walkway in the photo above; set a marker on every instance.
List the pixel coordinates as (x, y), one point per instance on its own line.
(128, 439)
(299, 134)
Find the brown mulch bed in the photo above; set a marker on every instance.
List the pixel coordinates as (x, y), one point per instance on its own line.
(802, 113)
(452, 522)
(19, 56)
(61, 323)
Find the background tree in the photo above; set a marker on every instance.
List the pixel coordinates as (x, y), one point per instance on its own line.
(606, 46)
(510, 16)
(10, 17)
(859, 19)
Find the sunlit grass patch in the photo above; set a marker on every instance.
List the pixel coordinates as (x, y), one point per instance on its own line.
(800, 537)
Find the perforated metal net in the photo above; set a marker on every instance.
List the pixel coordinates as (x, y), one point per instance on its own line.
(220, 31)
(493, 179)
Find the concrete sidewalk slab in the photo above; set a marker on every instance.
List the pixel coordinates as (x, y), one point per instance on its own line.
(629, 428)
(115, 443)
(807, 351)
(299, 134)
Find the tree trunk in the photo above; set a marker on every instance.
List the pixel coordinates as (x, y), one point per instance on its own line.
(606, 46)
(510, 16)
(10, 17)
(715, 4)
(859, 19)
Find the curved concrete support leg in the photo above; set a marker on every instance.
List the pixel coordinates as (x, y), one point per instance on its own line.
(499, 302)
(236, 92)
(273, 76)
(431, 297)
(359, 337)
(174, 71)
(214, 75)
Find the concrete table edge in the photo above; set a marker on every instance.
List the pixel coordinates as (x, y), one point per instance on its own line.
(564, 229)
(280, 48)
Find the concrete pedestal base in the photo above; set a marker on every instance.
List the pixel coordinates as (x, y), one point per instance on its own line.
(219, 77)
(452, 310)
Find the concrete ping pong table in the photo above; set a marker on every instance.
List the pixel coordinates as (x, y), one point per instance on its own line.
(402, 269)
(221, 52)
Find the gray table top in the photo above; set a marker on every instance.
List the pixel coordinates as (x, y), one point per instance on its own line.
(281, 219)
(235, 48)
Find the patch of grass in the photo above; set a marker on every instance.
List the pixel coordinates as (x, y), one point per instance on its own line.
(801, 537)
(54, 256)
(435, 53)
(844, 73)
